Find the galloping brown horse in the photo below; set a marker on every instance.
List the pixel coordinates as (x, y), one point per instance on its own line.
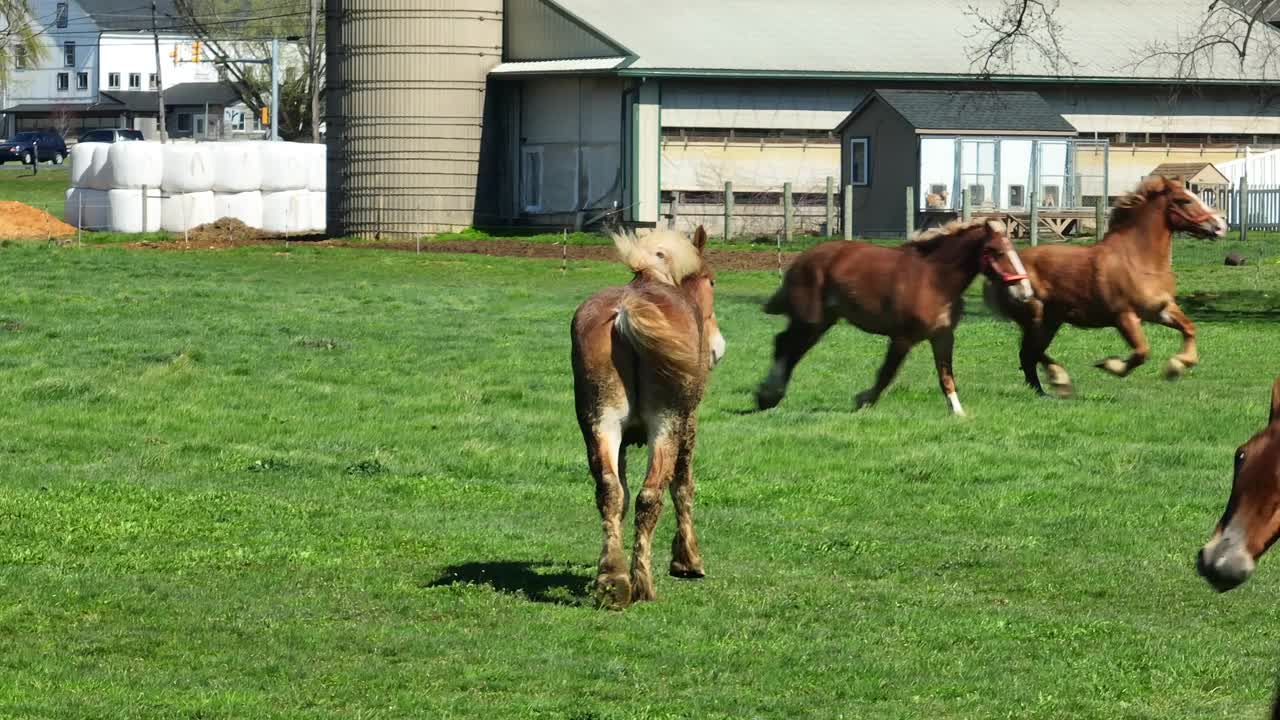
(1251, 522)
(909, 293)
(1118, 282)
(641, 355)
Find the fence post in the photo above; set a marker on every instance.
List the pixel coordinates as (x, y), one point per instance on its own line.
(79, 219)
(728, 209)
(1034, 224)
(966, 209)
(1100, 218)
(786, 210)
(675, 209)
(1244, 208)
(146, 193)
(911, 211)
(846, 220)
(831, 206)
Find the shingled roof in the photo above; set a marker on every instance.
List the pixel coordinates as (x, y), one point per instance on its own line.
(970, 110)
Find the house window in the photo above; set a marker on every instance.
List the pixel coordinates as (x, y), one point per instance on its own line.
(1017, 196)
(20, 58)
(69, 54)
(82, 81)
(237, 121)
(113, 81)
(64, 82)
(199, 128)
(62, 16)
(531, 179)
(184, 122)
(859, 165)
(135, 81)
(152, 82)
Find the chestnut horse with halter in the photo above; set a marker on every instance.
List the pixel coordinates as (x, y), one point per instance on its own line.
(641, 356)
(1118, 282)
(909, 293)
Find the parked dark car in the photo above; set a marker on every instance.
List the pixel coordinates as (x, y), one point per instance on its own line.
(19, 148)
(111, 135)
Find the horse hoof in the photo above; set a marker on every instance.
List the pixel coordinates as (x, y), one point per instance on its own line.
(687, 571)
(1115, 366)
(1175, 369)
(1063, 390)
(642, 591)
(768, 398)
(613, 591)
(863, 400)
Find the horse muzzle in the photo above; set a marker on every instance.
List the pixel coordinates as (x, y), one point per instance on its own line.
(1223, 564)
(718, 345)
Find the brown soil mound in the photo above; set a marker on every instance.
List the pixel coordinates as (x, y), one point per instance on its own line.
(23, 222)
(226, 231)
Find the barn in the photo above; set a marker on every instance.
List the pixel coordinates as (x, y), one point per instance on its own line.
(602, 109)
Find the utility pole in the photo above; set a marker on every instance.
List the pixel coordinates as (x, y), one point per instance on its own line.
(275, 88)
(155, 36)
(315, 75)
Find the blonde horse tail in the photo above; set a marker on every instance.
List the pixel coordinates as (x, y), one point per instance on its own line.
(646, 328)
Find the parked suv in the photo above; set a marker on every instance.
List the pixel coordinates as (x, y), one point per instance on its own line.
(111, 135)
(47, 145)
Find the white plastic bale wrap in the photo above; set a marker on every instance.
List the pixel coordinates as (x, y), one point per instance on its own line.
(284, 166)
(287, 211)
(130, 212)
(87, 209)
(319, 216)
(237, 167)
(187, 168)
(180, 213)
(245, 207)
(136, 164)
(81, 164)
(316, 168)
(98, 176)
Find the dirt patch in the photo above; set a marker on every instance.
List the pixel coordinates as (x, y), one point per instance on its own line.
(227, 232)
(23, 222)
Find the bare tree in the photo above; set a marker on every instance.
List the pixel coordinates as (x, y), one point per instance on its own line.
(63, 118)
(1017, 28)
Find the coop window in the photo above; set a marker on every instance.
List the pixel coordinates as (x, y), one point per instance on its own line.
(64, 82)
(113, 81)
(82, 81)
(1052, 196)
(1017, 196)
(531, 179)
(859, 165)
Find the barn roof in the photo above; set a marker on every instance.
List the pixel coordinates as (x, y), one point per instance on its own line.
(1201, 173)
(970, 110)
(1104, 41)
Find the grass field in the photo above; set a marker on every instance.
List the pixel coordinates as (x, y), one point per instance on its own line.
(343, 483)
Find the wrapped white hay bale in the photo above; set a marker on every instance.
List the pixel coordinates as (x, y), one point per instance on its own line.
(284, 166)
(245, 207)
(237, 167)
(319, 216)
(317, 171)
(86, 208)
(136, 165)
(81, 164)
(179, 213)
(187, 168)
(130, 211)
(98, 176)
(287, 211)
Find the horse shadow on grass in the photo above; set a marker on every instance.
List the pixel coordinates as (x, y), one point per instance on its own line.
(1230, 305)
(557, 583)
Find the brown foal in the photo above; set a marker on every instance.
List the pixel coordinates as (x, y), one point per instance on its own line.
(909, 293)
(641, 356)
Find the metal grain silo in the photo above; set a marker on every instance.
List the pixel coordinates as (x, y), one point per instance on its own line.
(405, 95)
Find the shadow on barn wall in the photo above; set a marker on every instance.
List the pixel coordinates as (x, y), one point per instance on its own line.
(544, 582)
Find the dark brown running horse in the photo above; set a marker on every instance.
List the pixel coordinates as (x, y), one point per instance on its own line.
(641, 355)
(1251, 522)
(910, 293)
(1119, 282)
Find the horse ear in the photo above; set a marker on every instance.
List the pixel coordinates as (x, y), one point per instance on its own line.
(1275, 401)
(700, 239)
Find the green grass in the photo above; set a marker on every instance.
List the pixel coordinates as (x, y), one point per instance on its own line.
(46, 189)
(342, 483)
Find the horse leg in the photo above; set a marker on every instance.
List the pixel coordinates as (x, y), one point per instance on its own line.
(1130, 326)
(686, 560)
(604, 456)
(1059, 380)
(788, 347)
(1173, 317)
(1028, 355)
(943, 343)
(898, 349)
(662, 456)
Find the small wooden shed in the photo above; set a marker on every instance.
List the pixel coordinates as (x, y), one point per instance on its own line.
(1197, 175)
(1001, 146)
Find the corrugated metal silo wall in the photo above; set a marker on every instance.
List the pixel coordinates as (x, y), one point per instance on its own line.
(406, 97)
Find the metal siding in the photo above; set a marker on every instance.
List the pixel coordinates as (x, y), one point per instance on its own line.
(537, 31)
(880, 207)
(756, 105)
(406, 104)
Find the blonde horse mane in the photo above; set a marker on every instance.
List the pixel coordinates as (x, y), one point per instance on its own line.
(926, 241)
(664, 255)
(1130, 204)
